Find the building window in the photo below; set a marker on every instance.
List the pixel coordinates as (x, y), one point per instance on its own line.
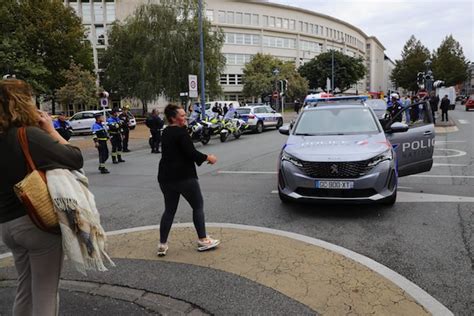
(292, 24)
(278, 22)
(110, 11)
(221, 17)
(230, 17)
(238, 18)
(265, 20)
(242, 39)
(86, 13)
(100, 35)
(285, 23)
(247, 18)
(98, 12)
(232, 80)
(271, 21)
(210, 15)
(239, 79)
(311, 46)
(279, 42)
(255, 20)
(223, 80)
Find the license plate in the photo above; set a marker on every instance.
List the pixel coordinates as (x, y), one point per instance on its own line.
(334, 184)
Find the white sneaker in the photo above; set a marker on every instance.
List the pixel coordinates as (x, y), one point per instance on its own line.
(208, 243)
(162, 249)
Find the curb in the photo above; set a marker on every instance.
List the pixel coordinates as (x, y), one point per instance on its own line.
(154, 302)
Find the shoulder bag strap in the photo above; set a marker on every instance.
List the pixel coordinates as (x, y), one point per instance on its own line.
(23, 139)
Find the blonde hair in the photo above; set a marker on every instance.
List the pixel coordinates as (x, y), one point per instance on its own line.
(16, 105)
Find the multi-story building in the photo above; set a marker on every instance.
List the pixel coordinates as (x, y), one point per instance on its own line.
(251, 27)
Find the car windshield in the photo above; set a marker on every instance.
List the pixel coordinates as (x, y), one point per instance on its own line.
(333, 121)
(242, 111)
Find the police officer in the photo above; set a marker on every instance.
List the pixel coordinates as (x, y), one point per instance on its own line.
(125, 127)
(115, 130)
(155, 124)
(99, 130)
(62, 126)
(394, 107)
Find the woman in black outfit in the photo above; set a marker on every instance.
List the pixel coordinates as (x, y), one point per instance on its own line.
(177, 176)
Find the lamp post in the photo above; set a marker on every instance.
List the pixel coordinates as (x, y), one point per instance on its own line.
(276, 72)
(428, 76)
(201, 55)
(332, 64)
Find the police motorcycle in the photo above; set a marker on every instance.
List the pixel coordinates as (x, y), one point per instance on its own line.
(215, 123)
(232, 124)
(198, 129)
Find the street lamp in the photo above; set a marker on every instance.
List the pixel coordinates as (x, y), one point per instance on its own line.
(201, 55)
(276, 72)
(428, 76)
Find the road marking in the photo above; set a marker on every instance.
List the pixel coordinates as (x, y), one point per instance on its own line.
(448, 165)
(464, 122)
(246, 172)
(458, 153)
(440, 176)
(411, 197)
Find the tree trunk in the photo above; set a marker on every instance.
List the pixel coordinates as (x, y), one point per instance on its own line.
(144, 108)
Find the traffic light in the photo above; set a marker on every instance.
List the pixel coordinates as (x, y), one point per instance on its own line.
(420, 77)
(283, 87)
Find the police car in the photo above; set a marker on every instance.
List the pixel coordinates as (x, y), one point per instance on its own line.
(339, 150)
(259, 117)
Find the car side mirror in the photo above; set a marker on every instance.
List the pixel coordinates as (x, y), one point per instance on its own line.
(284, 130)
(398, 127)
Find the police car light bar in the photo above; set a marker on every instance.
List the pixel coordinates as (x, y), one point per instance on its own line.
(311, 100)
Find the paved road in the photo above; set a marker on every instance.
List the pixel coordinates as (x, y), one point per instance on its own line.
(425, 237)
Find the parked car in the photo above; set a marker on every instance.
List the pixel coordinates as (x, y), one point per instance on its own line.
(339, 151)
(81, 122)
(260, 117)
(469, 103)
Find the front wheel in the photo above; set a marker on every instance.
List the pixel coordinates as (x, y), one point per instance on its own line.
(279, 123)
(259, 127)
(237, 134)
(205, 139)
(223, 137)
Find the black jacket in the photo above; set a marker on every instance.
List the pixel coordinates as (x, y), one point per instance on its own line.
(445, 104)
(154, 123)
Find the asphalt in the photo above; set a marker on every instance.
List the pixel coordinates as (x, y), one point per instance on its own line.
(254, 271)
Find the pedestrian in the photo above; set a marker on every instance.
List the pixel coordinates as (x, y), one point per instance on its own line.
(62, 126)
(434, 101)
(225, 109)
(38, 255)
(394, 107)
(125, 121)
(177, 176)
(297, 106)
(115, 131)
(101, 136)
(155, 124)
(220, 110)
(445, 102)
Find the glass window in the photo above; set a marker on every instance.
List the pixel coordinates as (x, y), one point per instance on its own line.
(265, 20)
(255, 20)
(230, 38)
(98, 12)
(285, 23)
(100, 35)
(239, 59)
(247, 19)
(278, 22)
(232, 79)
(238, 18)
(223, 79)
(230, 17)
(336, 121)
(305, 27)
(86, 12)
(256, 39)
(75, 7)
(239, 38)
(292, 24)
(271, 21)
(221, 17)
(210, 15)
(110, 11)
(239, 79)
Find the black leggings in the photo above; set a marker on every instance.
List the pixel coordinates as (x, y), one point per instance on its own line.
(192, 193)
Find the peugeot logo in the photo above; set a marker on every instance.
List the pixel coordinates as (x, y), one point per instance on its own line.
(334, 169)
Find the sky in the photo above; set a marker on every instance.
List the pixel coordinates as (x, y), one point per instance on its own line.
(394, 21)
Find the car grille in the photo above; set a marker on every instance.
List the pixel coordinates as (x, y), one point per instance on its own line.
(336, 193)
(336, 170)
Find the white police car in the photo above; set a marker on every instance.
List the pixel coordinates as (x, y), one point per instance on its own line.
(259, 117)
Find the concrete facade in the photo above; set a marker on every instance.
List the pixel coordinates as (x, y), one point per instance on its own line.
(289, 33)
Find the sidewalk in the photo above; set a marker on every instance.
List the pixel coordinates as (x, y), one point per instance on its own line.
(254, 271)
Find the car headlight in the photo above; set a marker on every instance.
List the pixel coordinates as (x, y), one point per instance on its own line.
(386, 155)
(295, 161)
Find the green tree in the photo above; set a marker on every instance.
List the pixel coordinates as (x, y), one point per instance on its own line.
(414, 55)
(449, 63)
(259, 79)
(347, 70)
(80, 89)
(155, 50)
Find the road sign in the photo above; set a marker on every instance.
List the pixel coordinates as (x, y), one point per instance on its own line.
(193, 84)
(104, 102)
(275, 95)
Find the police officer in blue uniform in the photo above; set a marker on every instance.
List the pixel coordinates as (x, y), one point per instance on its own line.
(62, 126)
(115, 130)
(394, 107)
(101, 136)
